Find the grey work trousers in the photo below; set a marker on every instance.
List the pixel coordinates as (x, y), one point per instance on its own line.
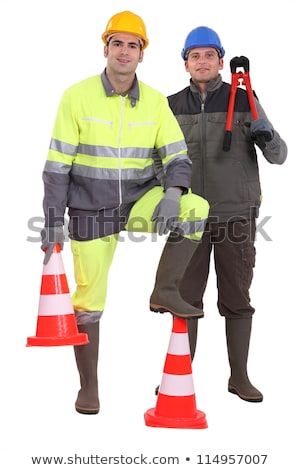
(234, 258)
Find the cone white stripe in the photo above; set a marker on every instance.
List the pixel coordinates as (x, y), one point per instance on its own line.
(55, 304)
(55, 265)
(177, 385)
(179, 344)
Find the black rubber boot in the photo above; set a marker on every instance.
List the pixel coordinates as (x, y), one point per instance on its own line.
(192, 326)
(192, 331)
(165, 297)
(238, 332)
(87, 363)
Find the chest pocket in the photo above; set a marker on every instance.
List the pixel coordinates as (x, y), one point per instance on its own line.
(191, 127)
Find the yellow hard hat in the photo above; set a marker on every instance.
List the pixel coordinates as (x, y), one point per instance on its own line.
(126, 22)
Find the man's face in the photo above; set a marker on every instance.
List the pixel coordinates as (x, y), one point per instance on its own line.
(123, 53)
(203, 64)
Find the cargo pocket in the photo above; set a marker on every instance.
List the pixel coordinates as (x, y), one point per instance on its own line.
(248, 263)
(79, 274)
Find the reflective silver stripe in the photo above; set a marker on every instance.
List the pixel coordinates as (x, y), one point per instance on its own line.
(97, 150)
(189, 228)
(178, 157)
(86, 318)
(57, 167)
(104, 151)
(103, 121)
(175, 147)
(63, 147)
(112, 174)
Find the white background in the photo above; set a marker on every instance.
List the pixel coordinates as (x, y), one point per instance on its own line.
(45, 47)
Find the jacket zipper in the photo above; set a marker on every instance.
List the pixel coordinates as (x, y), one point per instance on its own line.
(119, 150)
(202, 148)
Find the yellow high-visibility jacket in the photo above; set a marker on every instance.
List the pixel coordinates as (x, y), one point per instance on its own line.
(101, 149)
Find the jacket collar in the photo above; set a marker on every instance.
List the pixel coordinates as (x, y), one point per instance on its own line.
(133, 93)
(213, 85)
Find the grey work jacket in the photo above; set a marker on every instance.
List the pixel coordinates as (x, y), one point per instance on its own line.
(228, 180)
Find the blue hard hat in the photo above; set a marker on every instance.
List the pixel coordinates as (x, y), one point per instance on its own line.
(202, 37)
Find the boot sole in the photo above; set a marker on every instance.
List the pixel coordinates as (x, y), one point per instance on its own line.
(244, 397)
(160, 309)
(84, 411)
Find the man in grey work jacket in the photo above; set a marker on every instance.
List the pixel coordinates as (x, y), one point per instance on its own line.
(230, 182)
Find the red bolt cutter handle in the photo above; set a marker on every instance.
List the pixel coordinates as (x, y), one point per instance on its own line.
(238, 78)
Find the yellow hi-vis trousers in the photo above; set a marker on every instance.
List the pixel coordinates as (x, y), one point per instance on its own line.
(93, 258)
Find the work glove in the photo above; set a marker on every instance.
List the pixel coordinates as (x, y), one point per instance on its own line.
(261, 132)
(167, 211)
(51, 236)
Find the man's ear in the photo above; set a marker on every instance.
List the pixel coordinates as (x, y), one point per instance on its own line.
(221, 64)
(105, 51)
(141, 56)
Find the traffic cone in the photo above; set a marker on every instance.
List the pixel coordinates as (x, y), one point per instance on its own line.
(56, 323)
(176, 401)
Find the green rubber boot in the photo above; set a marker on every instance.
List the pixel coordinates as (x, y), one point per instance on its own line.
(87, 363)
(166, 297)
(238, 332)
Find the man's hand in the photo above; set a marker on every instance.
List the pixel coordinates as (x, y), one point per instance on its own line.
(51, 236)
(167, 211)
(261, 132)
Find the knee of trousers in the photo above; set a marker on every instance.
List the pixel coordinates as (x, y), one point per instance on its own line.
(193, 215)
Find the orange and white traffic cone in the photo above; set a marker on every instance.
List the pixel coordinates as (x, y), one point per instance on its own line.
(56, 323)
(176, 400)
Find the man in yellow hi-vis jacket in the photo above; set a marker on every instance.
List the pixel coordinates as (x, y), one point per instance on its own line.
(100, 167)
